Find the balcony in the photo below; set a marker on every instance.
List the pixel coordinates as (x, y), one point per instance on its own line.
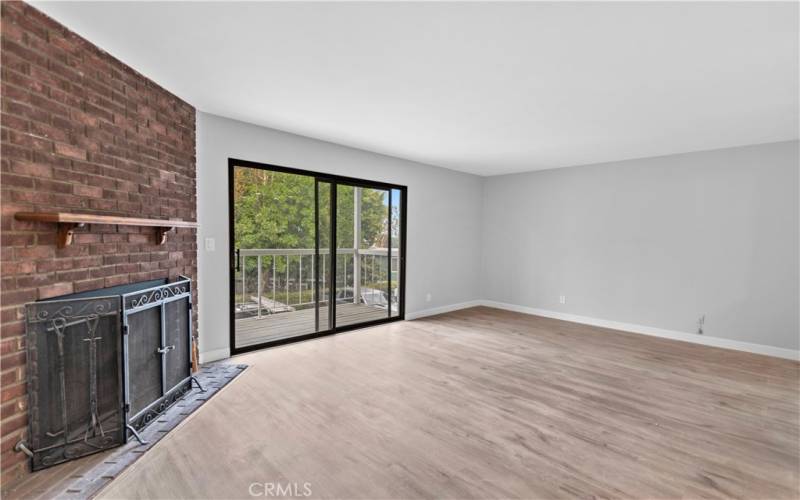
(275, 293)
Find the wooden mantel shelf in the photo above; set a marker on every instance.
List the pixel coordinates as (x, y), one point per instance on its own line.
(68, 221)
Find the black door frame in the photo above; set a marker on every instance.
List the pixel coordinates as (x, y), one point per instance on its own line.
(334, 181)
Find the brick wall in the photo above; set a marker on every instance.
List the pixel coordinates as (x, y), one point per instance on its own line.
(81, 132)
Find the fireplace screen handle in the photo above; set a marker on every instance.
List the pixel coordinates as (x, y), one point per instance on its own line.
(165, 350)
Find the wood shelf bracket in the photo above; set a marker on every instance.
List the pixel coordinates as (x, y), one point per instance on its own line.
(66, 232)
(161, 234)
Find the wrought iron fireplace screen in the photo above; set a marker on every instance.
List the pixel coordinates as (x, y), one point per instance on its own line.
(158, 343)
(75, 378)
(103, 361)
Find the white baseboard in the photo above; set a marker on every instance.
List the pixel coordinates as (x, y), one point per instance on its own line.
(443, 309)
(737, 345)
(778, 352)
(216, 354)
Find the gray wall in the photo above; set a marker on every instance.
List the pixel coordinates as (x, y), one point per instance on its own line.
(655, 242)
(444, 216)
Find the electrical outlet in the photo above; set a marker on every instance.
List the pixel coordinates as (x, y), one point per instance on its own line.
(562, 299)
(701, 323)
(211, 244)
(428, 297)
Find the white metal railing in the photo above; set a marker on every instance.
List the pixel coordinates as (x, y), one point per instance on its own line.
(367, 267)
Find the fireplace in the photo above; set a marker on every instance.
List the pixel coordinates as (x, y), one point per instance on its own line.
(103, 364)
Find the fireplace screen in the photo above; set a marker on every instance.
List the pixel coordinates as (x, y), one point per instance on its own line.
(157, 349)
(75, 378)
(103, 364)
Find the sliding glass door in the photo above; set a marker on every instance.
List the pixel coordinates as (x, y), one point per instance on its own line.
(311, 254)
(274, 269)
(364, 282)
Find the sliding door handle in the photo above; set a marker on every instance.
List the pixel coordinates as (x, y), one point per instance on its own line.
(165, 349)
(238, 260)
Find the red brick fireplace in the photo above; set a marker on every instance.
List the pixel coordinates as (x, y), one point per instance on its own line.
(81, 133)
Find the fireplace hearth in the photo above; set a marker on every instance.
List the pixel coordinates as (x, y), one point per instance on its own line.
(104, 364)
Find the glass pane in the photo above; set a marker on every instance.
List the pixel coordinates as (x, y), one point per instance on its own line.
(324, 264)
(362, 279)
(396, 245)
(274, 233)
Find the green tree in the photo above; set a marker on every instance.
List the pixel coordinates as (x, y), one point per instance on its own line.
(276, 210)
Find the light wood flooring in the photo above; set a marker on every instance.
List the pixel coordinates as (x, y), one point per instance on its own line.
(483, 403)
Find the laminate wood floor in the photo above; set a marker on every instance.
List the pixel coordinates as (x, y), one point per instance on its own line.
(483, 403)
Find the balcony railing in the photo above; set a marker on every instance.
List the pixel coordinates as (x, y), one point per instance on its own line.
(270, 281)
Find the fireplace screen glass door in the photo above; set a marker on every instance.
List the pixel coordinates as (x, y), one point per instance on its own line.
(311, 254)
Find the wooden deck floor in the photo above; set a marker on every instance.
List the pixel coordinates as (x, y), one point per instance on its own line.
(252, 331)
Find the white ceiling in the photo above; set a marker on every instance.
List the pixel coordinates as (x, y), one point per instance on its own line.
(487, 88)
